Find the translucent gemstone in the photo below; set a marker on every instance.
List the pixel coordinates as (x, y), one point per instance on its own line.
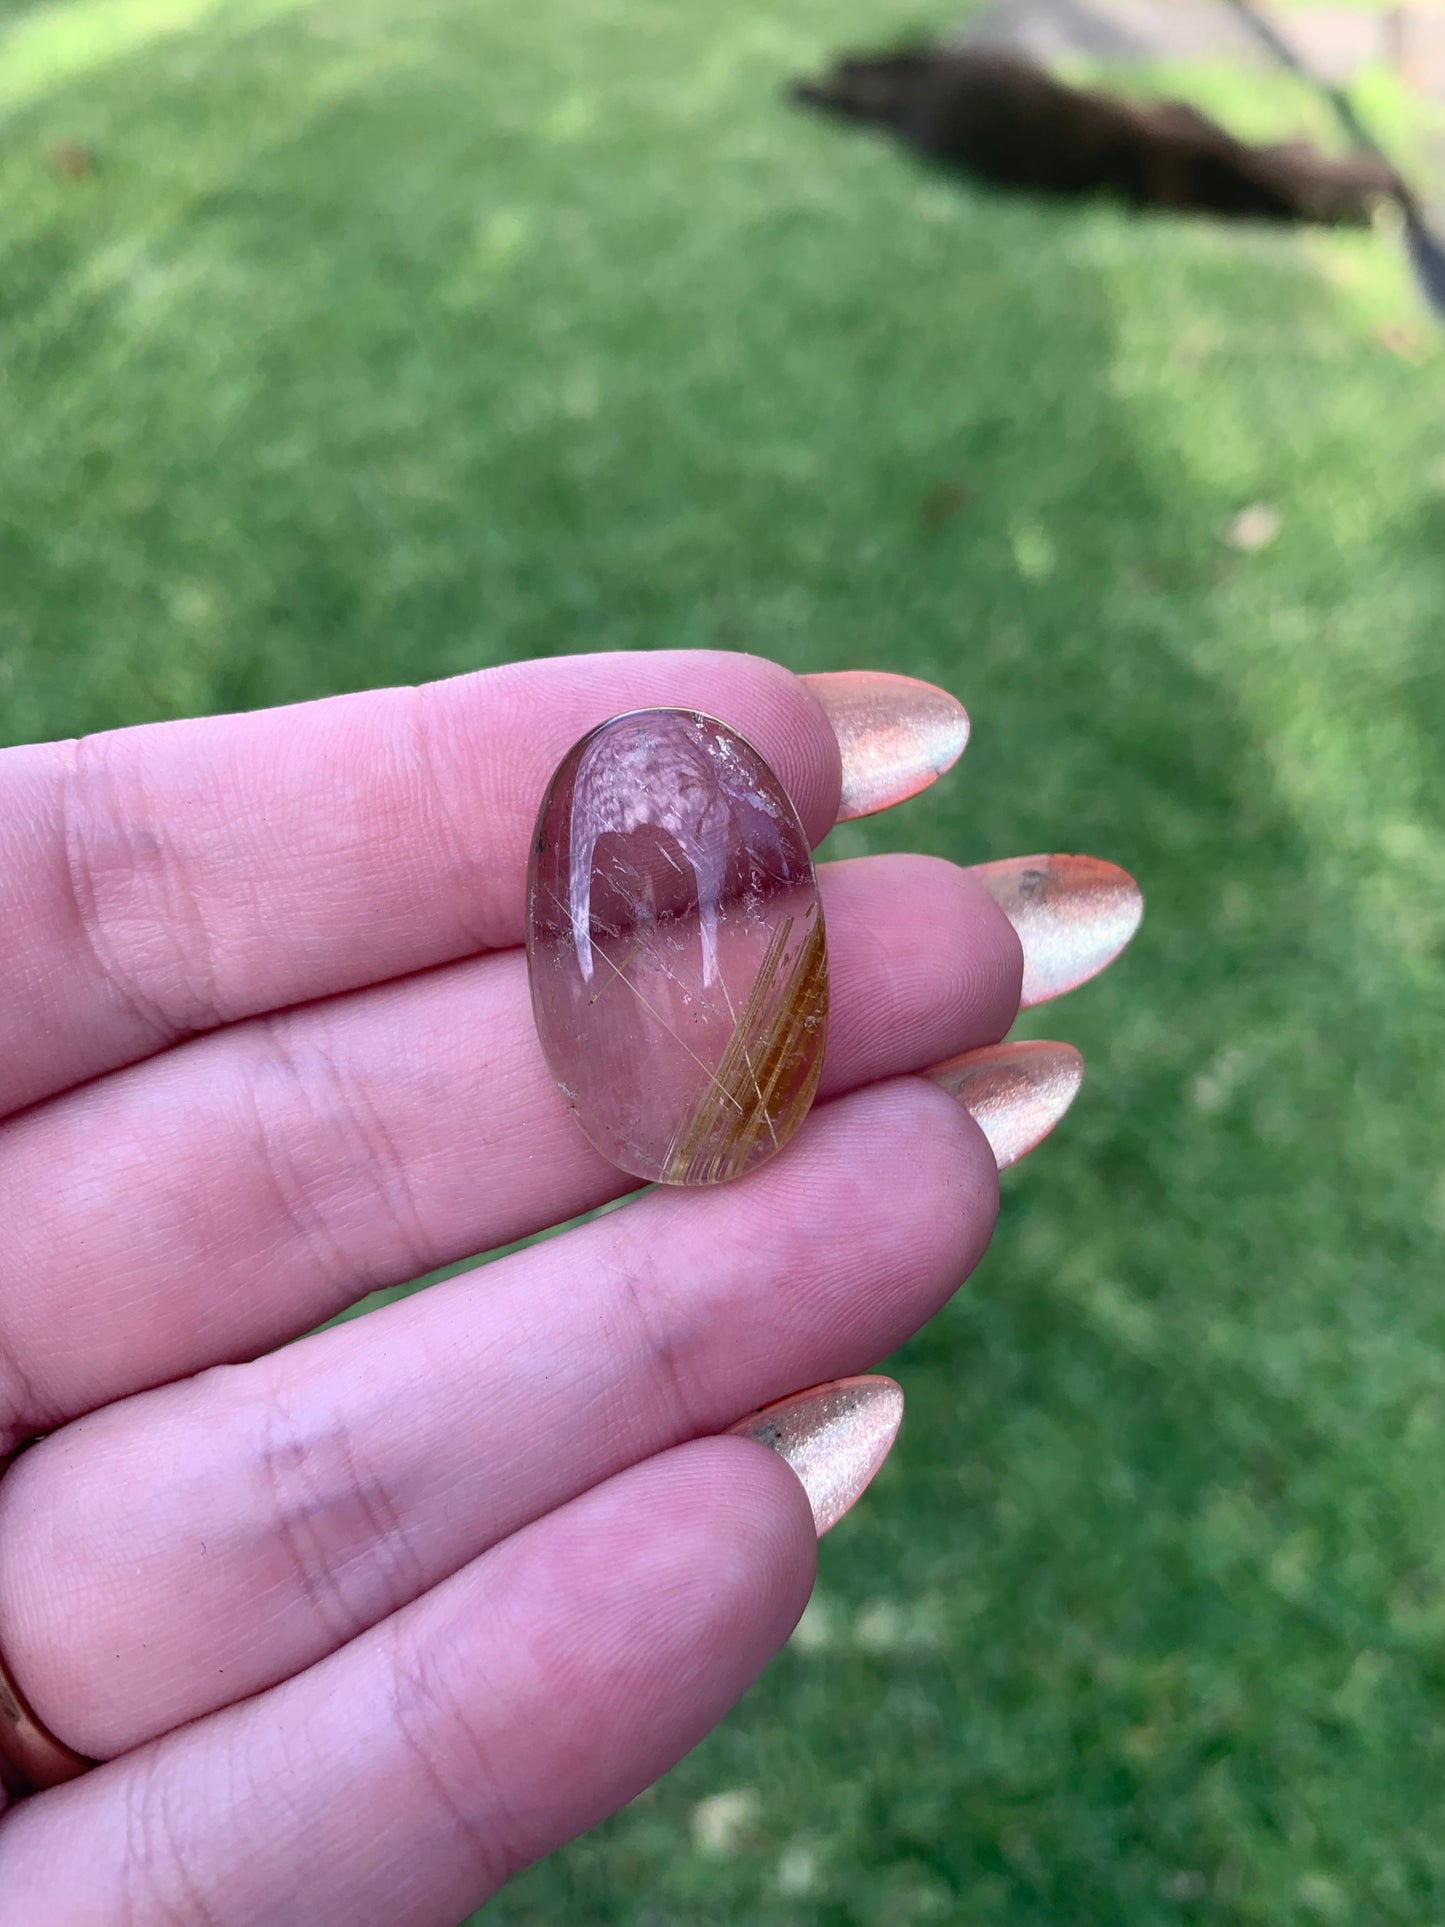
(675, 943)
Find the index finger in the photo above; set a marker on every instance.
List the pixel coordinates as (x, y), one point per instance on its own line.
(167, 879)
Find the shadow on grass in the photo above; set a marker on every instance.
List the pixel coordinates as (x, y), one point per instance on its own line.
(12, 12)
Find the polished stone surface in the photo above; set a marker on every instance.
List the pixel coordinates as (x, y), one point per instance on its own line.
(676, 948)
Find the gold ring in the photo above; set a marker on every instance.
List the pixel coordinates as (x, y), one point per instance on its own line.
(31, 1758)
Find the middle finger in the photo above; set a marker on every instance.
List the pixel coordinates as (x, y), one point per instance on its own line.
(216, 1201)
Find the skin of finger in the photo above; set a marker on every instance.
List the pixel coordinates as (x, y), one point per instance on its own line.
(271, 1512)
(210, 1203)
(408, 1776)
(166, 879)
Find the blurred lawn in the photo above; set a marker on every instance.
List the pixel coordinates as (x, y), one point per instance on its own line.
(393, 337)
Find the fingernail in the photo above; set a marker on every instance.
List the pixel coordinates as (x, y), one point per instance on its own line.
(1073, 915)
(895, 735)
(834, 1436)
(1015, 1093)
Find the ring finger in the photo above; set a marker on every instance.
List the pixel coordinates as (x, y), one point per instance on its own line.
(275, 1510)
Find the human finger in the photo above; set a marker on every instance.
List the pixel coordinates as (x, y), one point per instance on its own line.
(242, 1188)
(272, 1511)
(171, 878)
(412, 1773)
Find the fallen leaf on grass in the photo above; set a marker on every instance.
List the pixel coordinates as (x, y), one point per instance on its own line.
(1194, 347)
(722, 1820)
(1157, 578)
(1254, 528)
(942, 503)
(72, 160)
(1034, 553)
(1404, 340)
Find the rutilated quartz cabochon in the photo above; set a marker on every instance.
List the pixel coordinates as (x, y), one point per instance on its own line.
(676, 949)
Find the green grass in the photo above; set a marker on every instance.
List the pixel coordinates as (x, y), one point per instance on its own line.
(393, 337)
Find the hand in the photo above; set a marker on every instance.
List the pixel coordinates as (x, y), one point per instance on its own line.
(363, 1623)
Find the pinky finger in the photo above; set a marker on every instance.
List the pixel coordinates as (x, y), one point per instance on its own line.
(409, 1775)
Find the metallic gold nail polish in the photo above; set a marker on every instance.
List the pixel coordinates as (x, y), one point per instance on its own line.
(1073, 915)
(895, 735)
(1015, 1093)
(834, 1437)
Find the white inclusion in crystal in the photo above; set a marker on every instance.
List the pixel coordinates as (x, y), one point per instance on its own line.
(622, 787)
(684, 778)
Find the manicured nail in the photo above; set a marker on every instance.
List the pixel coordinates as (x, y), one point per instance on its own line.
(895, 735)
(1015, 1093)
(1073, 915)
(834, 1436)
